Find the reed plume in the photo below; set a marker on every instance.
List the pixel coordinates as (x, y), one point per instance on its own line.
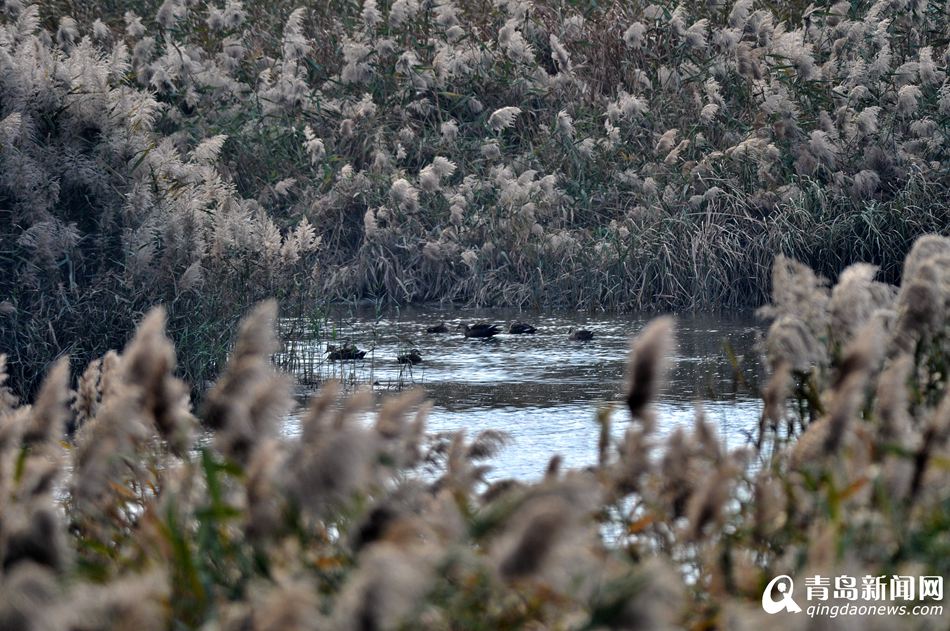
(50, 412)
(246, 403)
(646, 368)
(418, 151)
(341, 514)
(148, 366)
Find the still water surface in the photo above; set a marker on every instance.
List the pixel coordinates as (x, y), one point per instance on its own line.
(543, 389)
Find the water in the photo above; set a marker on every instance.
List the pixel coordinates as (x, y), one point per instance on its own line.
(543, 389)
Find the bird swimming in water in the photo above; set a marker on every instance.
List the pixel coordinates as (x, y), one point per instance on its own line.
(344, 353)
(480, 329)
(580, 335)
(412, 358)
(518, 328)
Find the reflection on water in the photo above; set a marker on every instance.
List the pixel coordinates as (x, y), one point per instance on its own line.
(543, 389)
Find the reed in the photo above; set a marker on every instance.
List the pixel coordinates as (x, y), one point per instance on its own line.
(628, 155)
(137, 521)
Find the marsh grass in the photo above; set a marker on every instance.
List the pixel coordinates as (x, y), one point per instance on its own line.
(623, 155)
(306, 343)
(363, 520)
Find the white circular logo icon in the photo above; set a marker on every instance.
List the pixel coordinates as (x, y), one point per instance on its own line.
(785, 586)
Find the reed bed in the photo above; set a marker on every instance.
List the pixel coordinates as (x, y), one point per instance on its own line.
(628, 155)
(125, 508)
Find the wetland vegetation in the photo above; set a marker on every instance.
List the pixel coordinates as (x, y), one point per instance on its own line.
(246, 165)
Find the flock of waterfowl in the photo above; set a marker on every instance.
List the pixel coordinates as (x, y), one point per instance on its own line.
(484, 330)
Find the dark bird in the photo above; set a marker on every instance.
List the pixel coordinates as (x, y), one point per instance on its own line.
(580, 335)
(480, 329)
(438, 328)
(344, 353)
(412, 358)
(518, 328)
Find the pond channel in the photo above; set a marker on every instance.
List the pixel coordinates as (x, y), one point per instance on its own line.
(542, 389)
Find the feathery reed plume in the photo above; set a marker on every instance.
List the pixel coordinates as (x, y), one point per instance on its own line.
(797, 291)
(412, 441)
(894, 429)
(110, 376)
(633, 36)
(391, 418)
(848, 389)
(87, 394)
(38, 477)
(13, 421)
(487, 444)
(559, 55)
(891, 403)
(404, 194)
(34, 534)
(603, 441)
(384, 125)
(924, 295)
(679, 472)
(860, 357)
(822, 548)
(370, 14)
(651, 596)
(823, 437)
(565, 124)
(633, 462)
(387, 586)
(353, 405)
(333, 470)
(148, 364)
(375, 525)
(924, 249)
(646, 366)
(553, 471)
(290, 605)
(541, 525)
(773, 400)
(503, 118)
(28, 594)
(854, 299)
(666, 142)
(503, 489)
(790, 341)
(707, 503)
(935, 437)
(769, 507)
(264, 501)
(12, 424)
(399, 438)
(50, 412)
(8, 401)
(249, 398)
(865, 184)
(129, 603)
(104, 449)
(460, 476)
(316, 420)
(332, 461)
(706, 437)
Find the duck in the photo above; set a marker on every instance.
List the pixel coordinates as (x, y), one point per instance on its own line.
(438, 328)
(517, 328)
(580, 335)
(412, 358)
(479, 329)
(344, 353)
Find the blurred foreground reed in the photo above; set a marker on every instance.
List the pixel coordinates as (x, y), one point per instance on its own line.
(117, 513)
